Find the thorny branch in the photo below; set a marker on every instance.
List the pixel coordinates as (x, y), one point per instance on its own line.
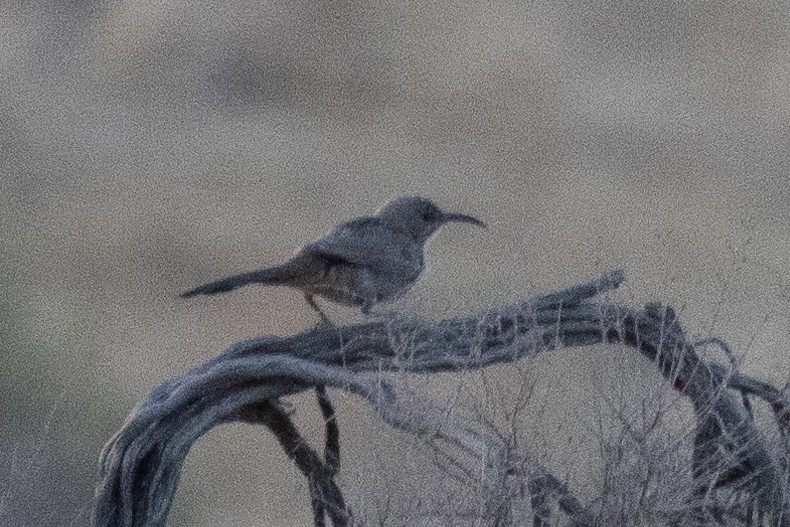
(140, 466)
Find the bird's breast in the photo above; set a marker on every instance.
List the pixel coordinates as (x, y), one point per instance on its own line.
(397, 277)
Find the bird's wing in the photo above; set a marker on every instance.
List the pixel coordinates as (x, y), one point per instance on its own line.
(366, 242)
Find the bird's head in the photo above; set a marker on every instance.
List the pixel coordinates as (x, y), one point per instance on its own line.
(420, 217)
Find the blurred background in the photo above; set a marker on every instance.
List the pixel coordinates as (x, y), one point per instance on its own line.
(148, 147)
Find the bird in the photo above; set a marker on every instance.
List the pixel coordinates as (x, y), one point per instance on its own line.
(361, 263)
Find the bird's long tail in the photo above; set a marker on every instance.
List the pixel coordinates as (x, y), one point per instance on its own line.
(294, 273)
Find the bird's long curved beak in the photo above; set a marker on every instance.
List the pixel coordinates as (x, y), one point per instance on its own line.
(463, 218)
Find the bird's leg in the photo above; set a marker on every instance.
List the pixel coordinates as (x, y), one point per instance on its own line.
(312, 303)
(366, 291)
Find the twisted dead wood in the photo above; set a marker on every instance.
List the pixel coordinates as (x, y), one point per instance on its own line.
(140, 466)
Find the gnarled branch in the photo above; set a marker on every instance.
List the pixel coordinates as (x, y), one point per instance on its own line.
(140, 466)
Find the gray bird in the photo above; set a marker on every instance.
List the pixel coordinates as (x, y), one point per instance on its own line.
(363, 262)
